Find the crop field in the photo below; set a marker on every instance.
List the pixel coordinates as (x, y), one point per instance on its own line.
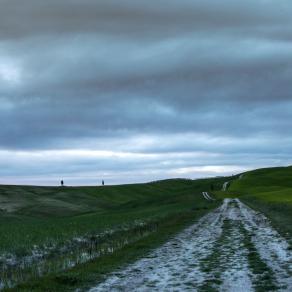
(45, 230)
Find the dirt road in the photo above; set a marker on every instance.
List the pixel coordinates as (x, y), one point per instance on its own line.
(232, 248)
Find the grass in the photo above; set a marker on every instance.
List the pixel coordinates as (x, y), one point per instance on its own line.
(265, 280)
(58, 214)
(267, 182)
(213, 264)
(51, 217)
(89, 274)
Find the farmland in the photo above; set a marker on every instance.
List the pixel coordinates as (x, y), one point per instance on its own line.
(97, 238)
(54, 227)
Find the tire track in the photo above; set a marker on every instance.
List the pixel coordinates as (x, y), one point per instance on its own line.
(207, 196)
(271, 246)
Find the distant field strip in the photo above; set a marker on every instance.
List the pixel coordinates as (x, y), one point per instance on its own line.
(232, 248)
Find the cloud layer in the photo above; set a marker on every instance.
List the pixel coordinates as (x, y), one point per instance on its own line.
(136, 91)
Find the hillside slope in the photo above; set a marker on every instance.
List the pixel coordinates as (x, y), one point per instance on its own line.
(268, 184)
(270, 191)
(61, 213)
(52, 202)
(47, 228)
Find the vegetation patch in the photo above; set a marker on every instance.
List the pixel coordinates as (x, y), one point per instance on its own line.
(38, 238)
(86, 275)
(213, 265)
(264, 279)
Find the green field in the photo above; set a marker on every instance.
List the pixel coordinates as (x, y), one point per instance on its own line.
(48, 218)
(38, 215)
(128, 220)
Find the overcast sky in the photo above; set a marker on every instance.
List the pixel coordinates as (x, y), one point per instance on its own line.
(133, 91)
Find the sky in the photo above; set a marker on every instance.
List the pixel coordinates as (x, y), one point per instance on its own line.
(132, 91)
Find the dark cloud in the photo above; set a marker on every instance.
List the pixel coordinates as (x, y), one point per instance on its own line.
(128, 18)
(207, 76)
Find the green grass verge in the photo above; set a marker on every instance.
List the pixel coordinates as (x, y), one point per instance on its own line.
(89, 274)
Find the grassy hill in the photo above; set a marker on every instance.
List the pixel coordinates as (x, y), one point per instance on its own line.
(144, 215)
(268, 190)
(52, 202)
(38, 219)
(269, 185)
(33, 215)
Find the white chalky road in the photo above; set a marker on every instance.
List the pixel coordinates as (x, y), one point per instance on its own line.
(225, 185)
(207, 196)
(219, 252)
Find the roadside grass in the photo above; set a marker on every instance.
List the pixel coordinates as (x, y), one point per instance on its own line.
(40, 217)
(87, 275)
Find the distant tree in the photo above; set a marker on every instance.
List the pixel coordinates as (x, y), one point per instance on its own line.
(62, 183)
(102, 182)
